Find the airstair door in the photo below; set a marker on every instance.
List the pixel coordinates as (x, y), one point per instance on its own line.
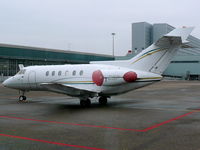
(32, 79)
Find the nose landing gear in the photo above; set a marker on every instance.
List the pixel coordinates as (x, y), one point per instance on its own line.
(22, 98)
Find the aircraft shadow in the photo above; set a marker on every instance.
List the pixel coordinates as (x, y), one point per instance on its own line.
(95, 105)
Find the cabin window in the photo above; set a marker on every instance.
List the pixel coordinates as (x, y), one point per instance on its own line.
(47, 73)
(74, 73)
(59, 73)
(53, 73)
(81, 73)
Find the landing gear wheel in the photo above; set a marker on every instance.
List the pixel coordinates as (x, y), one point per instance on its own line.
(22, 98)
(85, 103)
(103, 100)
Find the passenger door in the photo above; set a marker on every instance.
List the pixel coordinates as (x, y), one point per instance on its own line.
(32, 79)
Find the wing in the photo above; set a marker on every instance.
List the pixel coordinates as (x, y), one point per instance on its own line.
(70, 89)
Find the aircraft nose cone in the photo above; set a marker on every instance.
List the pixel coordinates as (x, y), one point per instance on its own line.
(6, 83)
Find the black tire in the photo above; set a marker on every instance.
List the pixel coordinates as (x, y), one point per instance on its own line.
(82, 103)
(85, 103)
(88, 102)
(24, 98)
(103, 100)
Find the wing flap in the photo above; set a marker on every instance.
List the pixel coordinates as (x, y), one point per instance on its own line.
(68, 89)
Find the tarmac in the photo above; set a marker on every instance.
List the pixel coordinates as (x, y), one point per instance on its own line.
(162, 116)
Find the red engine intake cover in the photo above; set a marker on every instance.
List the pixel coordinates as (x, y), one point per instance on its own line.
(130, 76)
(97, 77)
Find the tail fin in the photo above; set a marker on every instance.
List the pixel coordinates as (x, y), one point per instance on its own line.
(157, 57)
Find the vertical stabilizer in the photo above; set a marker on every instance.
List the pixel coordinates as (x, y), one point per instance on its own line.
(156, 57)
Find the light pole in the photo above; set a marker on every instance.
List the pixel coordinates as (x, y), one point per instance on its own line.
(113, 44)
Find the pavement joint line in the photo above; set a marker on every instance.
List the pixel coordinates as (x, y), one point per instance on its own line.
(105, 127)
(51, 142)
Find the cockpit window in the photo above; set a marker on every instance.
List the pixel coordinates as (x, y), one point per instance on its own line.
(22, 71)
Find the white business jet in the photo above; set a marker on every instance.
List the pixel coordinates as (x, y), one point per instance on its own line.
(102, 79)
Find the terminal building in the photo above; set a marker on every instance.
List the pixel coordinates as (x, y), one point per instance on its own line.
(185, 65)
(12, 55)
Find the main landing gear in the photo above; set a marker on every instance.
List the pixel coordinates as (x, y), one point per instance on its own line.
(87, 102)
(103, 100)
(22, 98)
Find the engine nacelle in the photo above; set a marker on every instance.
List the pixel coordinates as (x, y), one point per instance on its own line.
(113, 77)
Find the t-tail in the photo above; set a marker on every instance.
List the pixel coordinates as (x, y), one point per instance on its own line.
(157, 57)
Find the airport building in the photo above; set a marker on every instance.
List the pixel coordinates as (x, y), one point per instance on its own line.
(12, 55)
(186, 64)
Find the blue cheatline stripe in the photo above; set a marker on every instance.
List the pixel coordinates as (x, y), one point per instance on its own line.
(138, 80)
(78, 83)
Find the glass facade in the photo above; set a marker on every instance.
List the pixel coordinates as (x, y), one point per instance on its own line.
(11, 56)
(9, 67)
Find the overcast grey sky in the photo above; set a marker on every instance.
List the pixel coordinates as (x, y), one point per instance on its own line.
(86, 25)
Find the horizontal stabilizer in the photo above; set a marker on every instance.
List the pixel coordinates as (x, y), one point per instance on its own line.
(176, 37)
(181, 32)
(187, 46)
